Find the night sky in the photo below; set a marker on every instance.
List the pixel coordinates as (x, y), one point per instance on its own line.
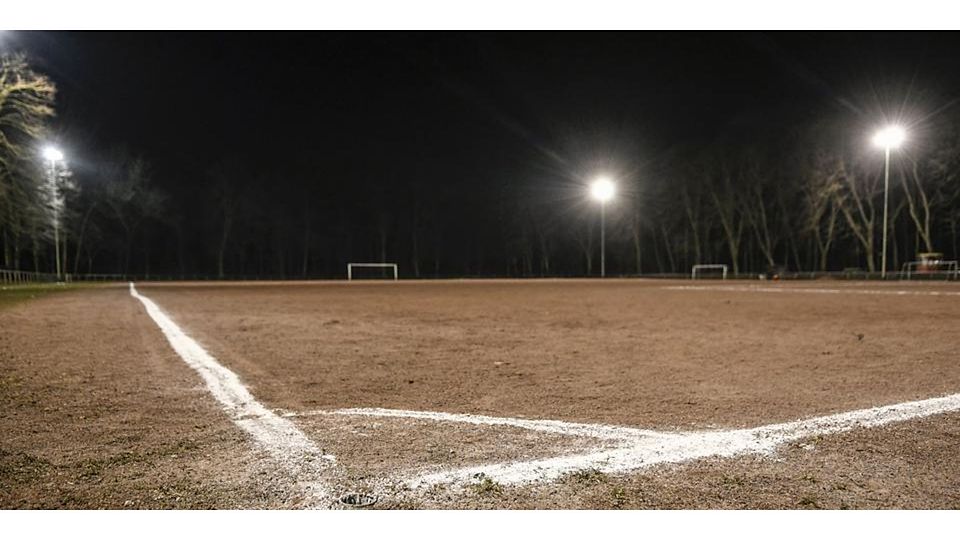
(354, 113)
(458, 107)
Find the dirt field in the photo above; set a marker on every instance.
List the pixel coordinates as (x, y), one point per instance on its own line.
(98, 410)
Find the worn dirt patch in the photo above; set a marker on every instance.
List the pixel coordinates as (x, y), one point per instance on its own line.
(380, 452)
(626, 352)
(96, 411)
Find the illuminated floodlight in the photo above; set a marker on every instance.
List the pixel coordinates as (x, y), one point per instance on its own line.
(52, 154)
(890, 137)
(602, 189)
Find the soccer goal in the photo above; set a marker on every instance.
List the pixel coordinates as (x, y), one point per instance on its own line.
(709, 271)
(371, 271)
(930, 269)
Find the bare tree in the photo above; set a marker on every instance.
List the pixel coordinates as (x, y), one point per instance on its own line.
(728, 210)
(820, 214)
(693, 210)
(758, 199)
(26, 104)
(583, 236)
(921, 199)
(131, 198)
(856, 193)
(227, 192)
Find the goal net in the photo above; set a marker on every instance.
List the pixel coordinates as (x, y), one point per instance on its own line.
(372, 271)
(704, 271)
(930, 269)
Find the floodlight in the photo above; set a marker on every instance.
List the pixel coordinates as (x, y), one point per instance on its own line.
(890, 137)
(602, 189)
(52, 154)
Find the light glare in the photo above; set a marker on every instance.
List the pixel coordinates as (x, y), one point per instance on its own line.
(52, 154)
(890, 137)
(602, 189)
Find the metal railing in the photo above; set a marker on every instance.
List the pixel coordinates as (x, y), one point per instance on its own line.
(10, 277)
(24, 277)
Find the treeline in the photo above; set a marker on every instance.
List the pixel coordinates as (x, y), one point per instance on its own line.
(807, 198)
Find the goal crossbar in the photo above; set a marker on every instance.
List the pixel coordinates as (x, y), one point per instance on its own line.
(945, 268)
(351, 266)
(698, 267)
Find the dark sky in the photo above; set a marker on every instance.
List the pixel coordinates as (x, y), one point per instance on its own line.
(351, 133)
(388, 107)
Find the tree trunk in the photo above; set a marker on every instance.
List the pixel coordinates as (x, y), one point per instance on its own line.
(953, 234)
(544, 245)
(16, 250)
(146, 254)
(382, 234)
(732, 226)
(306, 252)
(222, 249)
(6, 250)
(922, 222)
(80, 237)
(36, 249)
(666, 245)
(415, 251)
(637, 254)
(656, 255)
(180, 260)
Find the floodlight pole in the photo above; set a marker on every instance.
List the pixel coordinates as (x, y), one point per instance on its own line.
(886, 201)
(52, 171)
(603, 239)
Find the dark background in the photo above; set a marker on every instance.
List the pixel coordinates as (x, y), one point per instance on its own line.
(364, 136)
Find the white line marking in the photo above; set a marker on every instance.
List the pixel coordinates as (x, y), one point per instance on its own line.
(278, 436)
(758, 288)
(596, 431)
(640, 448)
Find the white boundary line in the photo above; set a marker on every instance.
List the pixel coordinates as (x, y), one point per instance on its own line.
(596, 431)
(289, 446)
(638, 448)
(758, 288)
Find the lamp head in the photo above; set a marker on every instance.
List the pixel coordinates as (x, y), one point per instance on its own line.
(890, 137)
(52, 154)
(603, 189)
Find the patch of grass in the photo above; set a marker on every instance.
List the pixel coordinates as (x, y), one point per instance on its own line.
(19, 467)
(93, 468)
(735, 481)
(11, 295)
(619, 496)
(487, 487)
(589, 477)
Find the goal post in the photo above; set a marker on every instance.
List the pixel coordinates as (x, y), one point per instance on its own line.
(930, 269)
(699, 268)
(391, 266)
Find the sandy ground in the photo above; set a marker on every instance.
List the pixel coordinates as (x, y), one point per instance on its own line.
(620, 352)
(88, 378)
(96, 411)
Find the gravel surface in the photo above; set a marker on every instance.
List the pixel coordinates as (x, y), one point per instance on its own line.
(97, 410)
